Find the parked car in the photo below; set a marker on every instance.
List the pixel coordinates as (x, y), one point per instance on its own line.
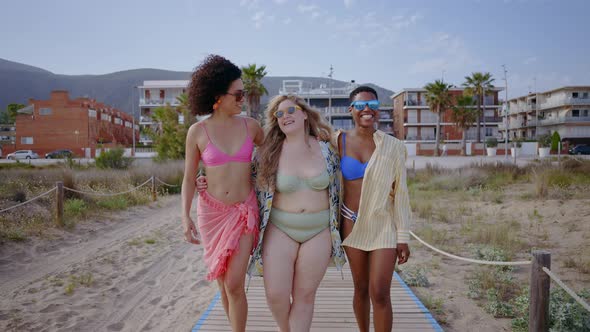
(22, 154)
(59, 154)
(580, 149)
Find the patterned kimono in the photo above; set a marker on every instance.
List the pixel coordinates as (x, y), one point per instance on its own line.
(265, 203)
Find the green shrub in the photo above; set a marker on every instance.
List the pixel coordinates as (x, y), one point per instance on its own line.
(492, 142)
(113, 158)
(544, 140)
(75, 207)
(113, 203)
(414, 276)
(555, 139)
(565, 314)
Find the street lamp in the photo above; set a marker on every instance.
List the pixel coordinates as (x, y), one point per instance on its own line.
(505, 116)
(133, 120)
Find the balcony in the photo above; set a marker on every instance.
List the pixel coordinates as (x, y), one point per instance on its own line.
(158, 102)
(334, 111)
(492, 119)
(415, 103)
(143, 120)
(565, 119)
(420, 138)
(564, 101)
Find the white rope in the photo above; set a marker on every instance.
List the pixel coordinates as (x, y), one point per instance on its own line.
(166, 184)
(30, 200)
(108, 194)
(567, 289)
(477, 261)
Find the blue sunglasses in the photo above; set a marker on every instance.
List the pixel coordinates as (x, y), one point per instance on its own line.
(361, 104)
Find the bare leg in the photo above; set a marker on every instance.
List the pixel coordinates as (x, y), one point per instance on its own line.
(278, 256)
(359, 266)
(310, 267)
(381, 263)
(234, 284)
(224, 300)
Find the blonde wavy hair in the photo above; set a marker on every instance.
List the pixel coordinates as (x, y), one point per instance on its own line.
(270, 150)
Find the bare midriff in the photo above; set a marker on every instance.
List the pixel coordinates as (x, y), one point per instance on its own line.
(352, 193)
(302, 201)
(230, 182)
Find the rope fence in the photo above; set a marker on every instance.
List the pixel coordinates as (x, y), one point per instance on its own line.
(60, 188)
(470, 260)
(30, 200)
(108, 194)
(567, 289)
(541, 276)
(166, 184)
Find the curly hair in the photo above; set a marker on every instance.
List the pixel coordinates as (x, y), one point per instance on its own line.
(210, 80)
(270, 150)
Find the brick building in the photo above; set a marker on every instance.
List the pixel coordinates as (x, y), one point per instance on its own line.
(80, 124)
(415, 123)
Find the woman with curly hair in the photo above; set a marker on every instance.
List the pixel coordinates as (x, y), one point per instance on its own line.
(227, 211)
(298, 179)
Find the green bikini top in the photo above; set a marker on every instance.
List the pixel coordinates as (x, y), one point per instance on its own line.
(293, 183)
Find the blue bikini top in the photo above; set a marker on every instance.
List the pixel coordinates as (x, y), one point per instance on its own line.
(352, 169)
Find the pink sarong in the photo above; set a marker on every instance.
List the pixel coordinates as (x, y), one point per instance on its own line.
(221, 226)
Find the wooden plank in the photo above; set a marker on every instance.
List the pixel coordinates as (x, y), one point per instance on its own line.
(333, 308)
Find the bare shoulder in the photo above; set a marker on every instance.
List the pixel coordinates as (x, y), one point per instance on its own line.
(251, 123)
(194, 132)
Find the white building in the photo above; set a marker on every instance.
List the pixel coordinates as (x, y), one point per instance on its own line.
(333, 103)
(565, 110)
(153, 94)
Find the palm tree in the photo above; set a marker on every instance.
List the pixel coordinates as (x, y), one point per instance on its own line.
(438, 98)
(463, 116)
(252, 77)
(476, 85)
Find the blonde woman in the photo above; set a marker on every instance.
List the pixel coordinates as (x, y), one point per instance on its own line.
(298, 179)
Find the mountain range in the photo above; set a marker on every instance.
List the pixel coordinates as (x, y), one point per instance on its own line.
(19, 82)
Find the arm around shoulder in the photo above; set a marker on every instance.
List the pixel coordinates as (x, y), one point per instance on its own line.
(255, 131)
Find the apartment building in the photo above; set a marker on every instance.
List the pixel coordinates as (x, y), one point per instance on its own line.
(154, 94)
(7, 139)
(414, 122)
(80, 124)
(333, 103)
(565, 110)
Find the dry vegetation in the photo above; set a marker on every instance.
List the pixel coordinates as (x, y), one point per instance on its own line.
(500, 212)
(21, 182)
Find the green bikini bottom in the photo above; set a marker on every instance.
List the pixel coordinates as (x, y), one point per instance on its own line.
(300, 226)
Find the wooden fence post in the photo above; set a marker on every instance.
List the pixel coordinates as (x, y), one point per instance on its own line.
(154, 194)
(539, 292)
(59, 203)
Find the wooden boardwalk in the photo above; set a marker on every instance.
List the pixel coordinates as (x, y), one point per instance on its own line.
(333, 308)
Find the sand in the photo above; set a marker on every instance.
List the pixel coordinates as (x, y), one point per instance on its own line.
(128, 271)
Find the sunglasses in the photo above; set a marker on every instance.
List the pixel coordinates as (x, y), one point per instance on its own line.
(240, 94)
(289, 110)
(360, 104)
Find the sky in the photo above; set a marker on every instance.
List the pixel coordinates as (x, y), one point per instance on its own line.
(544, 44)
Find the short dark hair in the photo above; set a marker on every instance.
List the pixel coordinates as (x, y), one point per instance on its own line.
(362, 88)
(210, 80)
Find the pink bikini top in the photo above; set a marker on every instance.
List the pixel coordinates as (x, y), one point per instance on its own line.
(212, 156)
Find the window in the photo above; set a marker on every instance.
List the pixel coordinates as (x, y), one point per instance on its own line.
(45, 111)
(26, 140)
(91, 113)
(489, 131)
(585, 113)
(575, 113)
(585, 95)
(574, 95)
